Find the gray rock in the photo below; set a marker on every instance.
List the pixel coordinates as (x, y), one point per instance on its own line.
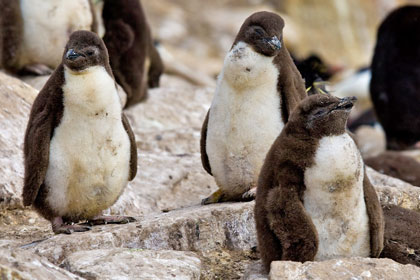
(394, 191)
(227, 226)
(20, 264)
(255, 271)
(344, 269)
(16, 98)
(133, 264)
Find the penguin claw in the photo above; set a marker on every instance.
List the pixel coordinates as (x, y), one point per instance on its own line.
(250, 195)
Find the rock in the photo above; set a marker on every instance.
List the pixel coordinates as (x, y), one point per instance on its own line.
(20, 264)
(133, 264)
(344, 269)
(370, 140)
(394, 191)
(16, 98)
(167, 128)
(255, 271)
(228, 226)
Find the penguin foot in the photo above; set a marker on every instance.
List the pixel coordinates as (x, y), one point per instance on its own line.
(36, 69)
(103, 220)
(69, 229)
(250, 195)
(217, 196)
(59, 226)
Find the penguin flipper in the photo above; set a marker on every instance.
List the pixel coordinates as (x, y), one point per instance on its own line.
(376, 218)
(119, 36)
(156, 67)
(133, 147)
(203, 140)
(292, 89)
(45, 115)
(291, 224)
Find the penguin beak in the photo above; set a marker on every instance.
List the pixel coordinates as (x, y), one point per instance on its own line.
(72, 55)
(274, 43)
(346, 103)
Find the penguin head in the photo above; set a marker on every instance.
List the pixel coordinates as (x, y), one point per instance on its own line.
(321, 115)
(83, 50)
(263, 31)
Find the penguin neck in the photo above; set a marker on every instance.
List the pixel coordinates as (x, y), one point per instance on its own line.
(90, 90)
(246, 70)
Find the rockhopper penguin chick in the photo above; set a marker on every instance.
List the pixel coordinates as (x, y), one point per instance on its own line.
(79, 148)
(314, 200)
(258, 88)
(134, 58)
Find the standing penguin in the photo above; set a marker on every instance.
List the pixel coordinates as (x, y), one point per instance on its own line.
(79, 148)
(258, 88)
(33, 33)
(314, 199)
(134, 59)
(395, 83)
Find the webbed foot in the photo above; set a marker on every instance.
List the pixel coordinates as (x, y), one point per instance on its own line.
(103, 220)
(216, 197)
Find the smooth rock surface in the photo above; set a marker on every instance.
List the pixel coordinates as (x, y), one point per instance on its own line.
(16, 98)
(227, 226)
(21, 264)
(133, 264)
(344, 269)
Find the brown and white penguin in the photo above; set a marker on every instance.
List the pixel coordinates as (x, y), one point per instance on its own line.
(314, 200)
(258, 88)
(33, 33)
(134, 58)
(79, 148)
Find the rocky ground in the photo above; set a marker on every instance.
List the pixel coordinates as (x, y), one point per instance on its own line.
(175, 237)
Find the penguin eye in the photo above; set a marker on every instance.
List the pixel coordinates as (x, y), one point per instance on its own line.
(90, 52)
(259, 31)
(319, 112)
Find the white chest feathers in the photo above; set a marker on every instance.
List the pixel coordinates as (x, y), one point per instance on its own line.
(334, 199)
(90, 149)
(47, 27)
(245, 119)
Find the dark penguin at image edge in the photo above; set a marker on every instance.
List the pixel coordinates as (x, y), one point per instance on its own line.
(79, 148)
(395, 80)
(134, 59)
(314, 200)
(258, 88)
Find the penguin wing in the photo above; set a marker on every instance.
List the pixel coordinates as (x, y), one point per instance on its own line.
(376, 219)
(133, 147)
(292, 90)
(203, 140)
(11, 32)
(119, 36)
(291, 224)
(45, 116)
